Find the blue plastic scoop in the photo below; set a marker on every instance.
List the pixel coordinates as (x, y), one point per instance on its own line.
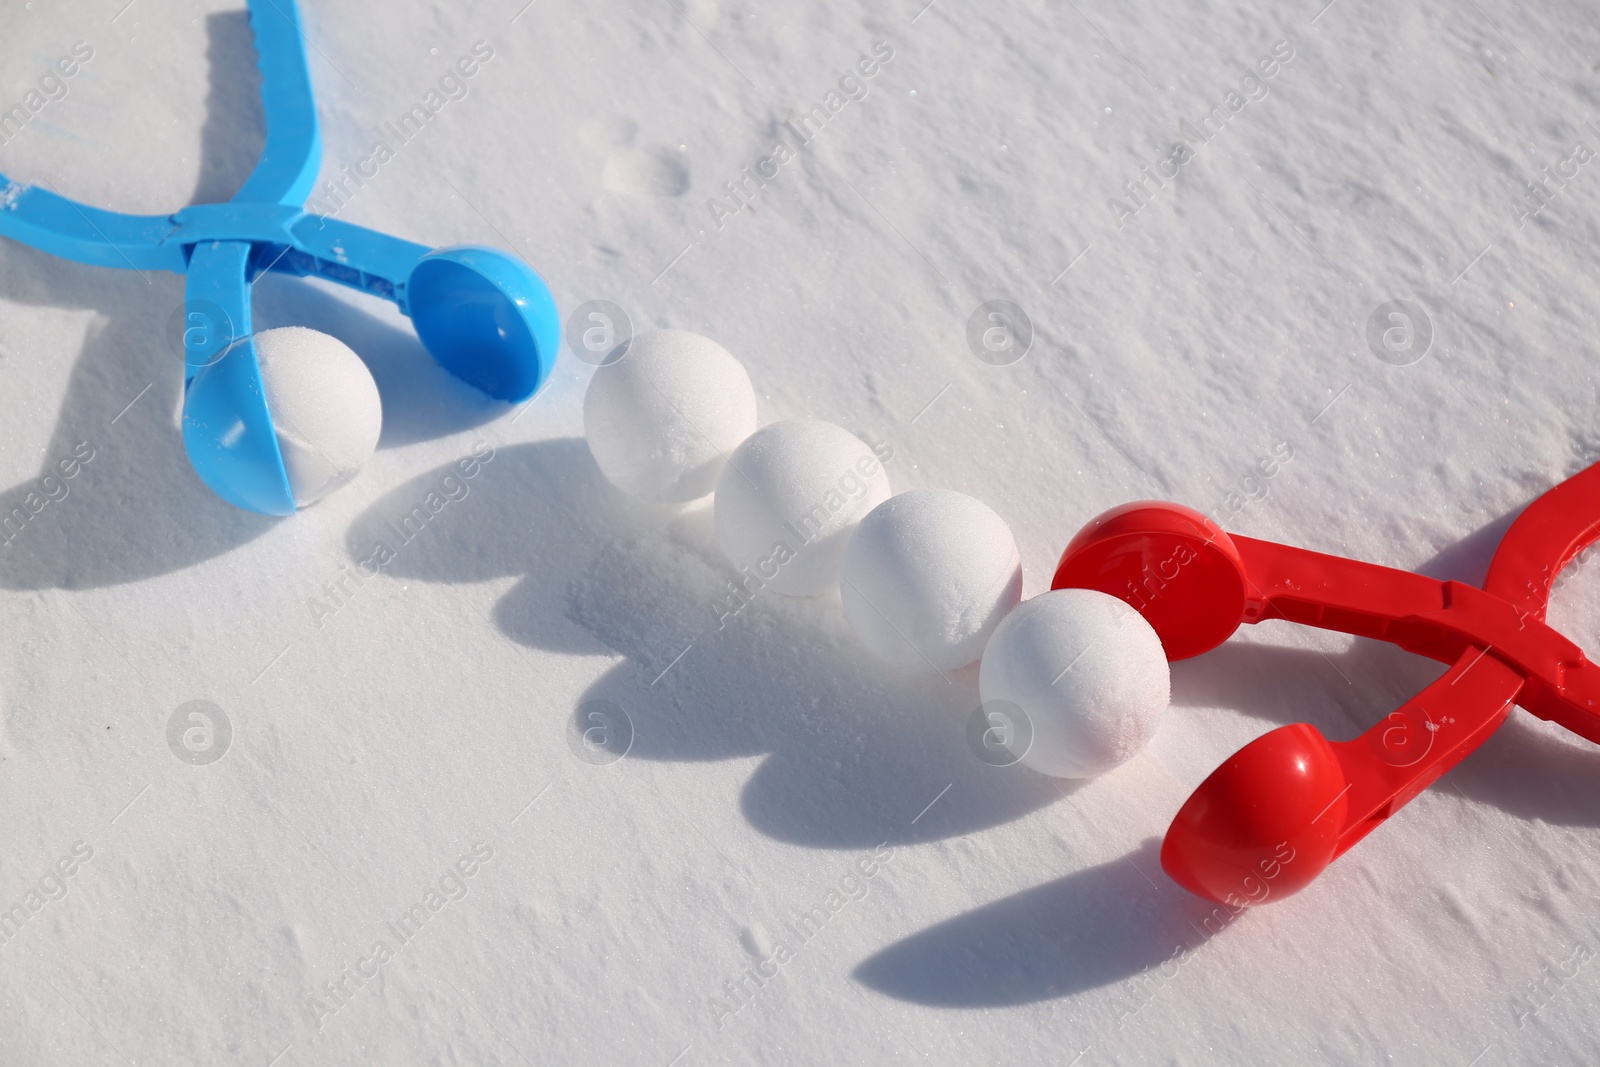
(484, 315)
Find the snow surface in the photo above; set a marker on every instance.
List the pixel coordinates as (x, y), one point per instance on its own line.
(384, 728)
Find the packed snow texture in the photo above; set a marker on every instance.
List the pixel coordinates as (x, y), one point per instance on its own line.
(927, 576)
(324, 407)
(797, 855)
(788, 500)
(662, 416)
(1086, 676)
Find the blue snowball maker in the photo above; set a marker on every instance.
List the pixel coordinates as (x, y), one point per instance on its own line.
(483, 314)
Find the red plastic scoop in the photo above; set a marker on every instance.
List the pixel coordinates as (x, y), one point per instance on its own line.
(1279, 810)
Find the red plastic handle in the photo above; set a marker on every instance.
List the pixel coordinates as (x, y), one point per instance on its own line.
(1440, 620)
(1282, 808)
(1543, 539)
(1278, 811)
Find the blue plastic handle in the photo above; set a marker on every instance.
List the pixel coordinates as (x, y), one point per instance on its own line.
(483, 314)
(292, 154)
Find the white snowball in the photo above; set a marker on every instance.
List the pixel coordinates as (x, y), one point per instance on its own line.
(324, 406)
(1089, 675)
(927, 577)
(661, 420)
(789, 499)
